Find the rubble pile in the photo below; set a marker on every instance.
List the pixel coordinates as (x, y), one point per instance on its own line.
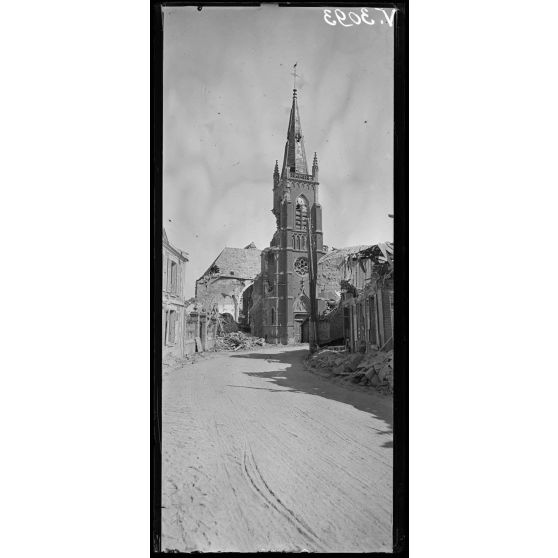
(237, 340)
(374, 368)
(227, 324)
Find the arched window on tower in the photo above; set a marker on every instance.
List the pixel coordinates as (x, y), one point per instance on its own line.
(273, 316)
(301, 213)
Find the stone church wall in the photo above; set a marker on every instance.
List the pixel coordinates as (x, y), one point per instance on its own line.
(224, 293)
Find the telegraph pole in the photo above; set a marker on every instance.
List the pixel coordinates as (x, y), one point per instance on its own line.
(313, 276)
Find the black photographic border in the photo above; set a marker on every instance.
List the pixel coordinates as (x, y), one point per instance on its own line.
(401, 241)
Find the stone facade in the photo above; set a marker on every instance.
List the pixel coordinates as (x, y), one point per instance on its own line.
(285, 265)
(174, 271)
(221, 288)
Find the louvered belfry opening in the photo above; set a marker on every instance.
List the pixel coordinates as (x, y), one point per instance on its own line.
(301, 213)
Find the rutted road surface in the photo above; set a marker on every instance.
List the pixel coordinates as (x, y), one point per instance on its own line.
(259, 455)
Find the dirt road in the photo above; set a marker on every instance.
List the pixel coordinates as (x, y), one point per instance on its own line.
(259, 454)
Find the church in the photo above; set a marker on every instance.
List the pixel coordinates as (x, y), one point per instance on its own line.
(281, 293)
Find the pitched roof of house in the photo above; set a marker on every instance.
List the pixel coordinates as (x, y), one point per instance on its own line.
(341, 253)
(244, 263)
(170, 246)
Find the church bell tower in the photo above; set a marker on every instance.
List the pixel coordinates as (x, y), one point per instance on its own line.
(298, 215)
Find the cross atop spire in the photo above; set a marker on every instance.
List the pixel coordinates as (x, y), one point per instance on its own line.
(294, 80)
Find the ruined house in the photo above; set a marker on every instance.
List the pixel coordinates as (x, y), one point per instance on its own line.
(187, 326)
(174, 271)
(367, 297)
(356, 283)
(331, 271)
(223, 285)
(200, 328)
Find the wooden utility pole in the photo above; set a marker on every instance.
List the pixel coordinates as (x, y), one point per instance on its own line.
(313, 277)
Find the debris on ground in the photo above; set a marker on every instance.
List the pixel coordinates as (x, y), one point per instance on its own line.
(173, 361)
(237, 340)
(226, 324)
(374, 368)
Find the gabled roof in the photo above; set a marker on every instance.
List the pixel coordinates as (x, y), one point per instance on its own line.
(243, 263)
(341, 254)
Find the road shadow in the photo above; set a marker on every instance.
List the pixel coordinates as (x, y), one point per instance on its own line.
(296, 378)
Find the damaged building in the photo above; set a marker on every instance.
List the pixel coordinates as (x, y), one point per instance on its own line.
(367, 298)
(356, 284)
(348, 292)
(200, 328)
(330, 273)
(223, 286)
(174, 271)
(187, 326)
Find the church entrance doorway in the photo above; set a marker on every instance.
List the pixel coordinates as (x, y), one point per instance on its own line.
(298, 319)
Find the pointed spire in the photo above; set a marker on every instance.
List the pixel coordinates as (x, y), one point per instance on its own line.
(295, 157)
(315, 167)
(276, 169)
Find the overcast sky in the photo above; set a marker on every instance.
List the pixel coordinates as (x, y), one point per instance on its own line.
(227, 97)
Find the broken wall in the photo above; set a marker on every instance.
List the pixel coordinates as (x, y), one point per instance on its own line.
(256, 309)
(222, 293)
(330, 273)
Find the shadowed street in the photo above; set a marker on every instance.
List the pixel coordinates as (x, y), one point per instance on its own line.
(260, 454)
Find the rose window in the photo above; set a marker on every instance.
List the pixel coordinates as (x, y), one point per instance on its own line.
(301, 266)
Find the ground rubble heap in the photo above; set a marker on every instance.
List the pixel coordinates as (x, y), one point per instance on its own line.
(237, 340)
(374, 368)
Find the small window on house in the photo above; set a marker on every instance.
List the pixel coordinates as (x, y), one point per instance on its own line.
(232, 272)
